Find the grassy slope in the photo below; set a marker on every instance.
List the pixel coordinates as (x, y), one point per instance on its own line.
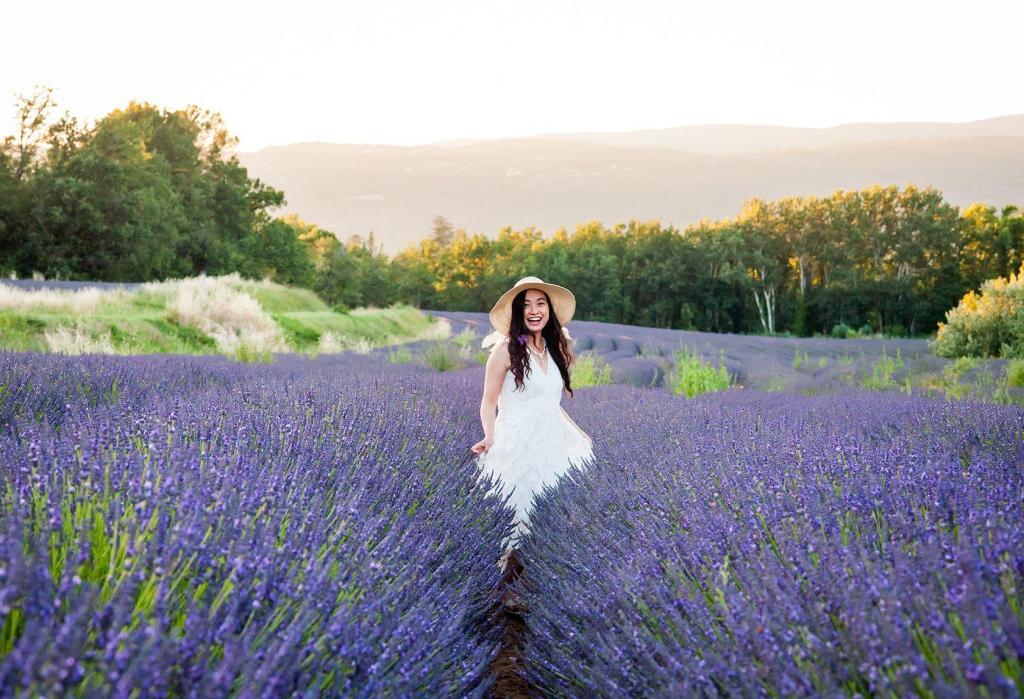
(140, 323)
(303, 329)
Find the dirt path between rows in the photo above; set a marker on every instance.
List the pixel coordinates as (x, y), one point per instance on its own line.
(510, 666)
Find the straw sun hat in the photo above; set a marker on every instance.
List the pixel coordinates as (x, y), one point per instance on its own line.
(562, 301)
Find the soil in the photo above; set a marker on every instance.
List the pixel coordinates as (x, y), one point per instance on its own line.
(509, 666)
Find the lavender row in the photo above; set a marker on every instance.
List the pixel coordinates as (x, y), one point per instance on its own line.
(189, 526)
(750, 545)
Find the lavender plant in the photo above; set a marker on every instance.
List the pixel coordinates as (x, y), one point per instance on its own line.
(191, 526)
(752, 545)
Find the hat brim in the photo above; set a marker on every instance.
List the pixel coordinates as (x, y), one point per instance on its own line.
(562, 301)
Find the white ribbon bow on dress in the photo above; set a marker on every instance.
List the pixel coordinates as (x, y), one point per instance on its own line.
(497, 336)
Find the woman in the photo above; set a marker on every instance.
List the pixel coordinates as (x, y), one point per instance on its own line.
(532, 440)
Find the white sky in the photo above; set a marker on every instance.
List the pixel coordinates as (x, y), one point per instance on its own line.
(407, 71)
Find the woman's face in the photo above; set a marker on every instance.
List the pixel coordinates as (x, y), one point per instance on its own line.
(535, 310)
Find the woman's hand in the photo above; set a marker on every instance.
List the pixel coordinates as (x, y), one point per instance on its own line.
(482, 446)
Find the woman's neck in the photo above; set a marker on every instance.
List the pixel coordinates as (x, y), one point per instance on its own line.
(536, 339)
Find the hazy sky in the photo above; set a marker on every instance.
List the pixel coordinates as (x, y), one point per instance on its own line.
(407, 72)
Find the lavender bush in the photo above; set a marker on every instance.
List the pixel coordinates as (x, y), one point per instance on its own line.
(747, 545)
(189, 526)
(192, 526)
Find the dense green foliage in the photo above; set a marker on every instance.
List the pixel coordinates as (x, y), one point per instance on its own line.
(989, 324)
(142, 194)
(692, 375)
(590, 369)
(882, 259)
(148, 194)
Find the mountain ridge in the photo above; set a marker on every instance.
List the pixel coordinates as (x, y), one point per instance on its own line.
(550, 182)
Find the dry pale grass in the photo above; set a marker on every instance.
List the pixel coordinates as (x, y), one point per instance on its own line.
(332, 343)
(440, 330)
(79, 301)
(215, 306)
(76, 340)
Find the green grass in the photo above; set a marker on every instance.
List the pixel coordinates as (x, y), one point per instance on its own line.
(141, 322)
(377, 327)
(277, 298)
(127, 333)
(297, 333)
(692, 376)
(22, 332)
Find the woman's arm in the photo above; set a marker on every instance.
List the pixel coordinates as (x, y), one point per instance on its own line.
(573, 423)
(494, 375)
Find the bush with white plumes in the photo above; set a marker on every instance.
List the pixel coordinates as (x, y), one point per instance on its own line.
(215, 306)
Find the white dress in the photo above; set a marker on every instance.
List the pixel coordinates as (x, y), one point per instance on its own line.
(534, 441)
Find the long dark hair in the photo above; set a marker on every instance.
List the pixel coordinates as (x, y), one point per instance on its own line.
(553, 337)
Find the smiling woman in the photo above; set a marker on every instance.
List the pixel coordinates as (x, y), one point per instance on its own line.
(532, 441)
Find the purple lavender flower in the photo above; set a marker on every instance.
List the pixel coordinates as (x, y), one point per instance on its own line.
(213, 527)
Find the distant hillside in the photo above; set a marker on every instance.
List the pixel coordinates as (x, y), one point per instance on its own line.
(735, 139)
(549, 182)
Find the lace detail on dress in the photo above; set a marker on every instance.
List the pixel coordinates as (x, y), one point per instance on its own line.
(534, 441)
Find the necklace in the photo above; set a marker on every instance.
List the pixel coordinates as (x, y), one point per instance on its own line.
(537, 353)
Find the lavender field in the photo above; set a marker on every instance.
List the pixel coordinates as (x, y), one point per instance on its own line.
(194, 526)
(191, 526)
(640, 356)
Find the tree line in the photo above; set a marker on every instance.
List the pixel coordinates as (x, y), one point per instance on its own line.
(147, 193)
(144, 193)
(889, 258)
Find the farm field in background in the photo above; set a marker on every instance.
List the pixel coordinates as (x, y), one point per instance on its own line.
(818, 530)
(650, 357)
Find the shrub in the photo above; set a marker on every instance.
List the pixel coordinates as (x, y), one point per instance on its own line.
(215, 306)
(1015, 373)
(399, 355)
(466, 338)
(78, 340)
(692, 375)
(989, 324)
(591, 370)
(247, 353)
(882, 371)
(841, 331)
(440, 356)
(961, 366)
